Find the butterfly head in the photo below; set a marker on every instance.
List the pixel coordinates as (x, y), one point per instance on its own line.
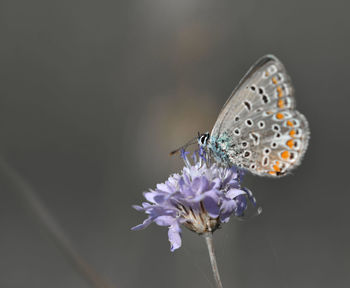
(203, 139)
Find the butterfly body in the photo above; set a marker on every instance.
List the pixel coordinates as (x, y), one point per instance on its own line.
(258, 128)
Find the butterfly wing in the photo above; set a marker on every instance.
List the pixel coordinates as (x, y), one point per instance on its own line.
(258, 128)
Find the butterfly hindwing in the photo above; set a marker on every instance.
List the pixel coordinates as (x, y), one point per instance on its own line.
(258, 128)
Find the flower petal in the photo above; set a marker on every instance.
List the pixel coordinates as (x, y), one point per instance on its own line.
(164, 220)
(144, 225)
(211, 206)
(216, 183)
(164, 188)
(138, 207)
(174, 236)
(199, 184)
(227, 208)
(241, 205)
(154, 197)
(233, 193)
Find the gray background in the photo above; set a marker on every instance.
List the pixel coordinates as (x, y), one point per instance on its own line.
(94, 94)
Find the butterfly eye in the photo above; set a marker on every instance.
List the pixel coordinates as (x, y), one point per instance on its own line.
(204, 138)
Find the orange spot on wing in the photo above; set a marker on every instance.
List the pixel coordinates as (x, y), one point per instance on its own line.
(292, 133)
(279, 116)
(285, 155)
(289, 123)
(281, 103)
(290, 143)
(274, 80)
(276, 167)
(279, 90)
(272, 172)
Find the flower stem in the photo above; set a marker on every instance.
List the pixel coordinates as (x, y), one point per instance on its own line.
(214, 265)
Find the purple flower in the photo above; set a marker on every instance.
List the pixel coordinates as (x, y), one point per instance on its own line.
(201, 197)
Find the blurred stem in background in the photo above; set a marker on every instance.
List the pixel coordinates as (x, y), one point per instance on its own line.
(209, 240)
(50, 226)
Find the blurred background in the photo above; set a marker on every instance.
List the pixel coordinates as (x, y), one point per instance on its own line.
(94, 95)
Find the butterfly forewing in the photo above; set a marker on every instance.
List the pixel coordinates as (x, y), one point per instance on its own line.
(258, 128)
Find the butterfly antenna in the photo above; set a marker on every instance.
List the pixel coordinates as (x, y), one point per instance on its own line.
(191, 142)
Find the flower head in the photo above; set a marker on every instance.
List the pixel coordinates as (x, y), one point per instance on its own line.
(201, 197)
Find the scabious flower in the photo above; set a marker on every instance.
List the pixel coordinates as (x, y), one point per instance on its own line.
(201, 197)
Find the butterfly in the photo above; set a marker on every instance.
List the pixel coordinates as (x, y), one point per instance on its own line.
(259, 129)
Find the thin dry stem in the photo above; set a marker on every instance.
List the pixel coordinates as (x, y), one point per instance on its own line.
(214, 265)
(47, 222)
